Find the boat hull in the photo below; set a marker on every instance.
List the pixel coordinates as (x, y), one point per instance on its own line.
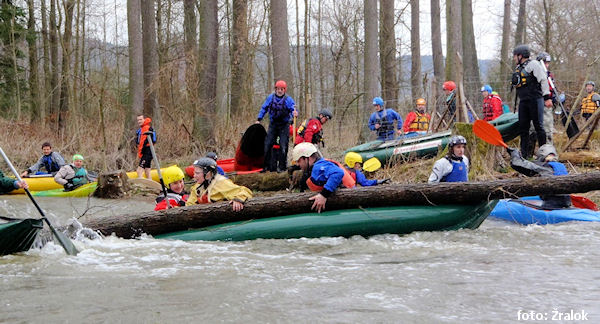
(18, 235)
(516, 212)
(365, 222)
(83, 191)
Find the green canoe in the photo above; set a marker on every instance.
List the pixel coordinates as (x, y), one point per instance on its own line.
(17, 235)
(83, 191)
(365, 222)
(427, 145)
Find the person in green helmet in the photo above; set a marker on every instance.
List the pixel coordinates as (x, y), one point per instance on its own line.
(72, 175)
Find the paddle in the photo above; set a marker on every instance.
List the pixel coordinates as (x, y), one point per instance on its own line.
(162, 183)
(488, 133)
(60, 237)
(582, 202)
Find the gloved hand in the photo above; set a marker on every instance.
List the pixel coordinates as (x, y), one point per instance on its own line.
(383, 181)
(69, 186)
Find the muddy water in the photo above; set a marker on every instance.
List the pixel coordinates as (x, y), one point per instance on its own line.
(499, 273)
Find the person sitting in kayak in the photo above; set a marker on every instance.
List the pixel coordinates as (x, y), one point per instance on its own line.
(9, 184)
(176, 194)
(73, 175)
(454, 167)
(50, 161)
(546, 165)
(213, 155)
(382, 121)
(417, 121)
(212, 187)
(354, 165)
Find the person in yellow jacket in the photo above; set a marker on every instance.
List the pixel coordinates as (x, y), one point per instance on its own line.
(212, 187)
(590, 103)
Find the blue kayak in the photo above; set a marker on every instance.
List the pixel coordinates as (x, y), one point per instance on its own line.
(526, 211)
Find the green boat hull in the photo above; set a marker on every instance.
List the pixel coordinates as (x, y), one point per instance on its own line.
(18, 235)
(427, 145)
(365, 222)
(83, 191)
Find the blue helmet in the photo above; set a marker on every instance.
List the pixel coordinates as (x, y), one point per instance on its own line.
(378, 101)
(487, 88)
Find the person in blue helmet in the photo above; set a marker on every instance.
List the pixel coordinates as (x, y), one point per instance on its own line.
(454, 167)
(382, 121)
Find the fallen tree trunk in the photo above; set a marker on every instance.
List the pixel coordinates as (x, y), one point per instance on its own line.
(183, 218)
(583, 158)
(268, 181)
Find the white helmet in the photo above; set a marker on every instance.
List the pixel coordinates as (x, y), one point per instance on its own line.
(546, 150)
(304, 149)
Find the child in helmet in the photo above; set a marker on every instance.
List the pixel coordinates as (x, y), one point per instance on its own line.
(176, 194)
(492, 104)
(454, 167)
(213, 155)
(417, 121)
(72, 175)
(212, 187)
(354, 165)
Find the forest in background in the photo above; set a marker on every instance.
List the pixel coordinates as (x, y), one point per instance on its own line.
(202, 68)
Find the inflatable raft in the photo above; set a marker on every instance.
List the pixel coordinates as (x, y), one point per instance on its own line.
(17, 235)
(527, 211)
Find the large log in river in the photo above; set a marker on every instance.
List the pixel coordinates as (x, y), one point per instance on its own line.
(183, 218)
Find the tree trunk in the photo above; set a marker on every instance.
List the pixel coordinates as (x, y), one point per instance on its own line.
(280, 44)
(191, 46)
(415, 52)
(65, 93)
(453, 37)
(436, 45)
(37, 110)
(371, 88)
(521, 23)
(112, 185)
(268, 181)
(387, 52)
(54, 81)
(207, 70)
(472, 81)
(46, 61)
(240, 66)
(547, 24)
(505, 62)
(150, 53)
(136, 62)
(179, 219)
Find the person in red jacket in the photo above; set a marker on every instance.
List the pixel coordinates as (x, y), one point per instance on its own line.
(311, 130)
(492, 104)
(417, 121)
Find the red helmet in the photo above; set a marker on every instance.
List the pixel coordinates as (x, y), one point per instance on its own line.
(281, 84)
(449, 85)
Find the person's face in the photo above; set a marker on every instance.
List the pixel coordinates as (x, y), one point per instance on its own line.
(178, 185)
(198, 174)
(357, 166)
(458, 150)
(47, 150)
(589, 88)
(140, 120)
(323, 119)
(78, 163)
(446, 91)
(279, 91)
(517, 59)
(547, 64)
(421, 108)
(377, 107)
(303, 163)
(485, 93)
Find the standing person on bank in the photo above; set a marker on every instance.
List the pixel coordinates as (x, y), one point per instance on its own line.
(382, 121)
(144, 152)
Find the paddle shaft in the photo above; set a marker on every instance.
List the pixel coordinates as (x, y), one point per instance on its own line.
(162, 183)
(63, 240)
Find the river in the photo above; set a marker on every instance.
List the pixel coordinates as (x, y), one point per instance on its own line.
(496, 274)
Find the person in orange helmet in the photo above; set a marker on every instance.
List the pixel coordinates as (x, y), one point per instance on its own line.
(417, 121)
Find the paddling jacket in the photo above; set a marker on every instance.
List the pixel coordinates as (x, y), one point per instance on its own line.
(280, 109)
(51, 162)
(175, 199)
(451, 103)
(385, 118)
(311, 131)
(416, 122)
(588, 106)
(450, 170)
(325, 176)
(360, 178)
(531, 81)
(7, 184)
(492, 107)
(219, 189)
(69, 173)
(140, 140)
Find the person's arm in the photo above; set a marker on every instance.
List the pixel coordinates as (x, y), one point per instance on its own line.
(372, 121)
(310, 130)
(153, 135)
(291, 106)
(61, 175)
(525, 167)
(409, 119)
(441, 168)
(363, 181)
(34, 168)
(542, 77)
(58, 159)
(263, 109)
(496, 108)
(334, 176)
(193, 197)
(398, 120)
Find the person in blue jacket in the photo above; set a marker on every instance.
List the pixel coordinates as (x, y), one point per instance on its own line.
(281, 109)
(354, 163)
(454, 167)
(325, 176)
(213, 155)
(50, 161)
(382, 121)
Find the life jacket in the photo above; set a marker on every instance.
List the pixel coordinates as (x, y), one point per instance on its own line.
(80, 175)
(451, 103)
(317, 137)
(141, 138)
(527, 85)
(352, 172)
(386, 123)
(488, 108)
(347, 180)
(50, 164)
(587, 105)
(420, 123)
(175, 200)
(459, 172)
(558, 168)
(277, 109)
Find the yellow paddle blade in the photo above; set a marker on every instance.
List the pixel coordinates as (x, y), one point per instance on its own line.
(372, 165)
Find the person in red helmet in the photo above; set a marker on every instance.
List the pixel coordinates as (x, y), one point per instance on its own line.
(281, 109)
(449, 88)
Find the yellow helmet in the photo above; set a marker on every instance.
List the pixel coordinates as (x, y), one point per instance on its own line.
(421, 101)
(172, 174)
(303, 149)
(352, 158)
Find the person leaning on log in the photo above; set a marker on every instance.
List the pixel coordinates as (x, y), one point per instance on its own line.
(454, 167)
(176, 194)
(212, 187)
(546, 165)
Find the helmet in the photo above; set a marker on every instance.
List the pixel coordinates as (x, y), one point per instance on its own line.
(449, 85)
(172, 174)
(421, 101)
(487, 88)
(211, 155)
(543, 56)
(546, 150)
(522, 50)
(352, 158)
(206, 164)
(304, 149)
(77, 157)
(592, 83)
(378, 101)
(281, 84)
(457, 139)
(326, 113)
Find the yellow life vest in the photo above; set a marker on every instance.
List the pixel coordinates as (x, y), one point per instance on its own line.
(421, 123)
(587, 105)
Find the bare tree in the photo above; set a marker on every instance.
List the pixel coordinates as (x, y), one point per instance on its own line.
(46, 59)
(150, 53)
(521, 28)
(453, 37)
(436, 43)
(240, 68)
(415, 51)
(65, 93)
(547, 24)
(37, 110)
(472, 81)
(504, 57)
(280, 43)
(53, 42)
(136, 60)
(207, 68)
(191, 45)
(370, 57)
(387, 53)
